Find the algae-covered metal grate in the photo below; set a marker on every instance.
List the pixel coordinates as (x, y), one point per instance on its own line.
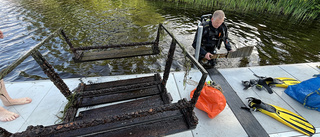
(90, 53)
(137, 107)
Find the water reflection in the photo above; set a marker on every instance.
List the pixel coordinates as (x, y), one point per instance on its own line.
(102, 22)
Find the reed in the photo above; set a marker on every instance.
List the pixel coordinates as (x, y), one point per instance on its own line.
(298, 9)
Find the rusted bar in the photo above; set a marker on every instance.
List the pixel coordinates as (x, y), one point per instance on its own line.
(158, 35)
(60, 128)
(126, 107)
(110, 84)
(196, 93)
(8, 69)
(115, 46)
(77, 55)
(155, 46)
(169, 61)
(115, 96)
(68, 41)
(70, 114)
(190, 117)
(49, 71)
(119, 89)
(193, 60)
(197, 64)
(165, 96)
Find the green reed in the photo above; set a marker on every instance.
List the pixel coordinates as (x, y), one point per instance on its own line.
(299, 9)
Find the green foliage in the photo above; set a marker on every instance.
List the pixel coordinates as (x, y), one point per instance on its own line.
(298, 9)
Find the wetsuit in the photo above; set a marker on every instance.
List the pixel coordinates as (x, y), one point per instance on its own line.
(212, 39)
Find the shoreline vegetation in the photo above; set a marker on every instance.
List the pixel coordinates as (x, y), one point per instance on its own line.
(302, 10)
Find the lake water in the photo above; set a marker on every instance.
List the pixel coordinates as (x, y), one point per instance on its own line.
(25, 23)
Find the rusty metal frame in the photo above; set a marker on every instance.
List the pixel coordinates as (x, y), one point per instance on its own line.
(186, 107)
(49, 71)
(193, 60)
(78, 51)
(12, 66)
(46, 67)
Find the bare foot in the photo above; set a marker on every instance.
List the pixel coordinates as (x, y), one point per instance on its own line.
(6, 115)
(18, 101)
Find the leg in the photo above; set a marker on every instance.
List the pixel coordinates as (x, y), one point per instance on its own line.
(7, 100)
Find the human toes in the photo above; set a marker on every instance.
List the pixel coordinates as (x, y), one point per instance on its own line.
(9, 116)
(28, 100)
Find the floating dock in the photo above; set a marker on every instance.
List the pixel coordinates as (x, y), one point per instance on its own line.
(48, 102)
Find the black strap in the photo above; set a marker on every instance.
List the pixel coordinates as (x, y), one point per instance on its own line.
(263, 83)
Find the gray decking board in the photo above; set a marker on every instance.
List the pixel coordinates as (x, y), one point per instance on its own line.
(303, 71)
(223, 125)
(299, 71)
(48, 101)
(247, 120)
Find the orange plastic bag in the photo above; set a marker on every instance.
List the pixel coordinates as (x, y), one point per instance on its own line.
(211, 100)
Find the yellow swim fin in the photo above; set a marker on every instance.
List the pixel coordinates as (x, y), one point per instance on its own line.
(278, 82)
(284, 116)
(286, 82)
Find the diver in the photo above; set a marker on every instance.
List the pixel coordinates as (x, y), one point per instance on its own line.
(214, 32)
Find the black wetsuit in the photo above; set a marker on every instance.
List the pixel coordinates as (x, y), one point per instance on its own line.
(212, 39)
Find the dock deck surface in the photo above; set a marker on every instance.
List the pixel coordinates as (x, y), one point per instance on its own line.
(48, 102)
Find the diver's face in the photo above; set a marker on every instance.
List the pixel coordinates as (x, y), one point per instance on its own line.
(217, 22)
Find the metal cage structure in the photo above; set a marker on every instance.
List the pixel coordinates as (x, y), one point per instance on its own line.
(145, 107)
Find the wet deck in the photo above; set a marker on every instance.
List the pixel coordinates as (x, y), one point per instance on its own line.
(48, 102)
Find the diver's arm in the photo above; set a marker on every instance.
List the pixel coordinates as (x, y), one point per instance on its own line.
(227, 44)
(226, 39)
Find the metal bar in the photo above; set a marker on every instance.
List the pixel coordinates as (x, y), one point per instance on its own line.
(199, 38)
(125, 107)
(155, 47)
(196, 93)
(158, 34)
(68, 41)
(49, 71)
(169, 62)
(115, 46)
(70, 114)
(12, 66)
(197, 64)
(59, 128)
(119, 89)
(193, 60)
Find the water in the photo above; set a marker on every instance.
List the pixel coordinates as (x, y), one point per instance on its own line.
(100, 22)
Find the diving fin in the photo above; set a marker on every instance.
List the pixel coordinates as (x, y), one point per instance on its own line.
(249, 84)
(284, 82)
(278, 82)
(284, 116)
(263, 83)
(268, 82)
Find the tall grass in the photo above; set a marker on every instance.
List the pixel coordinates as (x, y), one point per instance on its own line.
(299, 9)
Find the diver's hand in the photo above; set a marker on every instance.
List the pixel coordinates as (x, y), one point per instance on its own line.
(207, 56)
